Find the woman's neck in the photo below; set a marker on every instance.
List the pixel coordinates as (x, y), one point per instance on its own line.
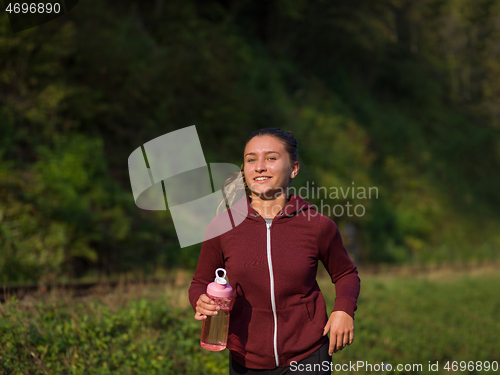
(268, 208)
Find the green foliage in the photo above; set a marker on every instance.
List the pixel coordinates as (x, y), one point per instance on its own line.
(145, 337)
(400, 96)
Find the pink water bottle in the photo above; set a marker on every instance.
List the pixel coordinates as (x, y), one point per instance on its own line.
(215, 328)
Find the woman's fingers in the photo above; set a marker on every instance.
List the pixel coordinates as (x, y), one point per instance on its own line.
(339, 343)
(339, 340)
(199, 316)
(351, 337)
(204, 307)
(341, 328)
(345, 342)
(331, 348)
(344, 339)
(205, 299)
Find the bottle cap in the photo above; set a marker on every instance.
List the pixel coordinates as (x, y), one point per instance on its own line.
(220, 288)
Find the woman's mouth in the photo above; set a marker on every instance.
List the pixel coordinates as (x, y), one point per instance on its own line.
(261, 178)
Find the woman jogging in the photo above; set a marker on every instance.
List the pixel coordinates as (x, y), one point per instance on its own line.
(279, 323)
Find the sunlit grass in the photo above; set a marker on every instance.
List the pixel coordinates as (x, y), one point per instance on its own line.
(413, 319)
(144, 329)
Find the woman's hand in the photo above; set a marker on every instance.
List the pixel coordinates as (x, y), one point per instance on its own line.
(341, 328)
(205, 306)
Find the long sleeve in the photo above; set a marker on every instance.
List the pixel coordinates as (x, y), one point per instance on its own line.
(341, 269)
(211, 258)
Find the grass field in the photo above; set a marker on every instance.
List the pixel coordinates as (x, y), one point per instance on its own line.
(410, 320)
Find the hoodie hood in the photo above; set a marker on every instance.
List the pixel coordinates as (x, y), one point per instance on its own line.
(244, 207)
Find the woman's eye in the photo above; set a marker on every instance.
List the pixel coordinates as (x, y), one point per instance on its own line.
(250, 160)
(272, 158)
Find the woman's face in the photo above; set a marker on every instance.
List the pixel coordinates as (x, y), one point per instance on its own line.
(267, 167)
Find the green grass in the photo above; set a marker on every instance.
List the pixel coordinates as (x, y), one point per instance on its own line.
(444, 316)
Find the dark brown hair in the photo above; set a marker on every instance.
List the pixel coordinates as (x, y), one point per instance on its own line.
(287, 138)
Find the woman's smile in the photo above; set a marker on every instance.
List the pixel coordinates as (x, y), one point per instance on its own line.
(262, 179)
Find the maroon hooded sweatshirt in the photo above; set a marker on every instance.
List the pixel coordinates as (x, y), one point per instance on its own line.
(279, 312)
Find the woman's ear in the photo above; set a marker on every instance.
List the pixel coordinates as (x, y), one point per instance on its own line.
(295, 169)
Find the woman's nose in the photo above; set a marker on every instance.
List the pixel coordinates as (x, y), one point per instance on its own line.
(260, 166)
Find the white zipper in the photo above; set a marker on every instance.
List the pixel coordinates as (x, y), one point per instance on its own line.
(273, 302)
